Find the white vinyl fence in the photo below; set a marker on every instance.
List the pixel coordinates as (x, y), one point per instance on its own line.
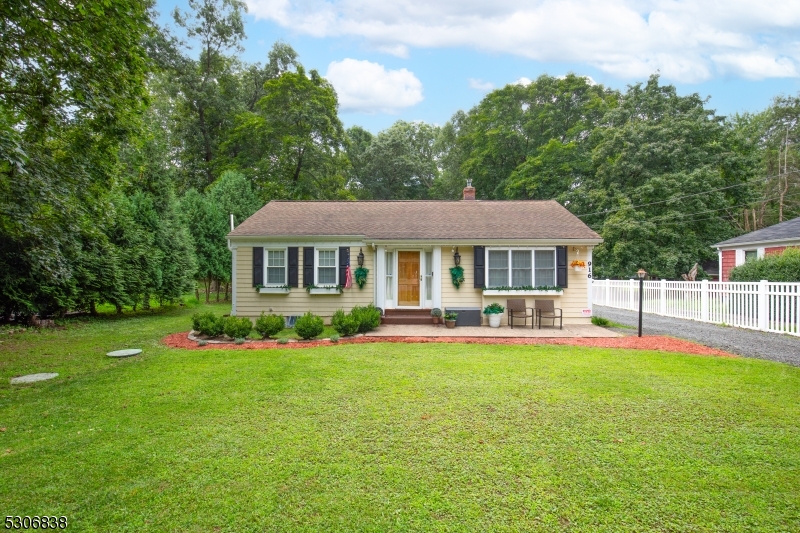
(765, 306)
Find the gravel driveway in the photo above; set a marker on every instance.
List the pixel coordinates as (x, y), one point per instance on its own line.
(746, 342)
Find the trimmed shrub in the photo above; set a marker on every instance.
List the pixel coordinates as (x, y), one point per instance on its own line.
(368, 317)
(238, 340)
(345, 325)
(778, 268)
(238, 327)
(269, 325)
(334, 338)
(309, 326)
(283, 340)
(208, 324)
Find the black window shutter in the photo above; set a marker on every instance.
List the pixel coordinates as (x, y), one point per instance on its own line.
(561, 266)
(293, 267)
(308, 266)
(480, 267)
(344, 262)
(258, 266)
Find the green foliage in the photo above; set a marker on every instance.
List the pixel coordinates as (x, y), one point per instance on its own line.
(493, 309)
(309, 326)
(269, 325)
(337, 288)
(368, 317)
(779, 268)
(335, 338)
(283, 340)
(291, 143)
(436, 312)
(208, 324)
(360, 276)
(525, 288)
(345, 324)
(600, 321)
(239, 340)
(457, 275)
(237, 327)
(658, 149)
(400, 163)
(451, 316)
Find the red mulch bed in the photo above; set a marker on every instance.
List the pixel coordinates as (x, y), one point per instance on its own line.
(666, 344)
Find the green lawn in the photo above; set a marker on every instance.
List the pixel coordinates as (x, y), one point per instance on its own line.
(379, 437)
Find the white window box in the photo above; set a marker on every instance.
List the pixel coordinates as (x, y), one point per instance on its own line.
(492, 292)
(273, 290)
(325, 290)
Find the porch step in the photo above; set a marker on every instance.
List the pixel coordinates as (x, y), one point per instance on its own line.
(407, 319)
(407, 312)
(407, 316)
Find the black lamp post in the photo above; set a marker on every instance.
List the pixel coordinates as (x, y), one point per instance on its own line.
(641, 273)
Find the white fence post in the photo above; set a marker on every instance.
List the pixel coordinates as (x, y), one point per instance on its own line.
(662, 296)
(763, 308)
(608, 292)
(631, 299)
(704, 300)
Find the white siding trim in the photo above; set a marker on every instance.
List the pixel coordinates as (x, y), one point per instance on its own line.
(437, 277)
(380, 277)
(739, 257)
(233, 279)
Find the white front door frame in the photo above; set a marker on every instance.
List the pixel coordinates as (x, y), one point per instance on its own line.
(397, 278)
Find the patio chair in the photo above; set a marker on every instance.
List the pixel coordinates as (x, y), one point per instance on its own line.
(516, 309)
(546, 309)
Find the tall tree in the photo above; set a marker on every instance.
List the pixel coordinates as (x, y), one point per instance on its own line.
(71, 86)
(401, 162)
(292, 145)
(515, 125)
(666, 182)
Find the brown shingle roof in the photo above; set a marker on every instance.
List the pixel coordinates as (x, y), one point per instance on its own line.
(417, 220)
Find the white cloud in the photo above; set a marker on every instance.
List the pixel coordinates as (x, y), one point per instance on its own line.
(523, 81)
(686, 40)
(479, 84)
(367, 87)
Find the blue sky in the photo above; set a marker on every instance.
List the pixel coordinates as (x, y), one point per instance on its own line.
(426, 59)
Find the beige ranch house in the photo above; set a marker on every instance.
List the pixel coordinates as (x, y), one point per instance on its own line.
(290, 256)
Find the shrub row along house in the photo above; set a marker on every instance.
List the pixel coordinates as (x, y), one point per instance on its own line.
(297, 256)
(757, 244)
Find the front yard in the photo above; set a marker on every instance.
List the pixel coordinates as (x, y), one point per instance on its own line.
(378, 437)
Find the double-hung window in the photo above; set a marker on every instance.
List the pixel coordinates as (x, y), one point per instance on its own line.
(521, 267)
(276, 267)
(326, 267)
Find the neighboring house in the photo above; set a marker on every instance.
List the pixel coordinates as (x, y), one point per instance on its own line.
(409, 247)
(771, 240)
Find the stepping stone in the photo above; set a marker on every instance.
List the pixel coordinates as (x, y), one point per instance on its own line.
(32, 378)
(124, 353)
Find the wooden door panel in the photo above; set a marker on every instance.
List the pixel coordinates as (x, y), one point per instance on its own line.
(408, 278)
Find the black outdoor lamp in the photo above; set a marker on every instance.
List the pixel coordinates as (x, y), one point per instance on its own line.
(641, 273)
(457, 257)
(360, 257)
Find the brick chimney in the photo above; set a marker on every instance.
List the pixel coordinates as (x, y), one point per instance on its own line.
(469, 191)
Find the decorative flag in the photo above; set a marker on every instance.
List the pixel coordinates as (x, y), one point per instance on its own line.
(348, 278)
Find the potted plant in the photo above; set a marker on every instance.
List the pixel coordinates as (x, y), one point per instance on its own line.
(494, 312)
(578, 264)
(450, 320)
(436, 313)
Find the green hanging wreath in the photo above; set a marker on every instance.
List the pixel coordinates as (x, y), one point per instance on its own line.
(360, 275)
(457, 274)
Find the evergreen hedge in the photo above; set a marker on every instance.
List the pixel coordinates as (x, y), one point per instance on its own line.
(777, 268)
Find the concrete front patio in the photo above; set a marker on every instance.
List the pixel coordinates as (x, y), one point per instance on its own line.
(429, 330)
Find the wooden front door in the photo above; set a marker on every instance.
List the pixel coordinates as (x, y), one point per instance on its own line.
(408, 279)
